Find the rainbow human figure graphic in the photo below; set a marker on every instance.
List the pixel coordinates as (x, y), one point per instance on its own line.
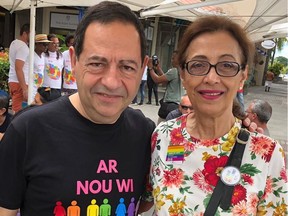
(93, 209)
(73, 210)
(121, 208)
(131, 207)
(59, 210)
(105, 208)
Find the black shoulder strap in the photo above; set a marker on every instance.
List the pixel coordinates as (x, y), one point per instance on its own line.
(222, 193)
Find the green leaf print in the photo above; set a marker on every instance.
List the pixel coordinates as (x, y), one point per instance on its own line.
(249, 169)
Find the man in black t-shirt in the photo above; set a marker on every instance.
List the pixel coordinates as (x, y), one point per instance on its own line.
(89, 151)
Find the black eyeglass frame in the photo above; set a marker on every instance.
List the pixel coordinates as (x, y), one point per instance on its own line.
(240, 67)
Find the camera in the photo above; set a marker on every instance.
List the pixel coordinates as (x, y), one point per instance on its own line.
(155, 60)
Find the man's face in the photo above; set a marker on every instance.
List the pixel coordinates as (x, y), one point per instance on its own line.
(41, 47)
(250, 114)
(185, 105)
(108, 71)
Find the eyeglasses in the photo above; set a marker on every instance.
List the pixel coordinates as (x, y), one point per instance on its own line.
(186, 107)
(223, 69)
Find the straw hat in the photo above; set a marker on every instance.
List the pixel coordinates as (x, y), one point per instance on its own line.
(41, 38)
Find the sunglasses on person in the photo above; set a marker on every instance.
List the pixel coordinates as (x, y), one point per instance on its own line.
(186, 107)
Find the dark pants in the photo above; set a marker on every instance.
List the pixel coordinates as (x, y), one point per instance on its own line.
(152, 86)
(142, 92)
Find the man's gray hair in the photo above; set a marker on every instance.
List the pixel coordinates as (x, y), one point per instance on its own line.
(263, 110)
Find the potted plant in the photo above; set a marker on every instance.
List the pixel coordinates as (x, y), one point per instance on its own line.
(4, 70)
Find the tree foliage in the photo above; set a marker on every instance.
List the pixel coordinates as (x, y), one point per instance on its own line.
(283, 60)
(276, 68)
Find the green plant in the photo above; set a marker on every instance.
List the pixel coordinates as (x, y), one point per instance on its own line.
(276, 68)
(4, 70)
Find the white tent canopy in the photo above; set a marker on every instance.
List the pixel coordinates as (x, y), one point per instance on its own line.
(262, 19)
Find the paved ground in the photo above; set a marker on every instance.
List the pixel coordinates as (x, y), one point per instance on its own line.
(277, 97)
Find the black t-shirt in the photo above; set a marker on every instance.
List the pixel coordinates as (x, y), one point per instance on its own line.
(53, 160)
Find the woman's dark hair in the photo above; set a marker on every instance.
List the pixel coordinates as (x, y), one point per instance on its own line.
(107, 12)
(216, 24)
(49, 37)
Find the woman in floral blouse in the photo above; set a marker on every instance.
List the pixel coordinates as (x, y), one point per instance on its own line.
(189, 153)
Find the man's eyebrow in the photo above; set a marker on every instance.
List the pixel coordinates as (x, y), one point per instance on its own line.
(129, 62)
(95, 57)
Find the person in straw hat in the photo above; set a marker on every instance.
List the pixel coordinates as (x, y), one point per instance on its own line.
(41, 43)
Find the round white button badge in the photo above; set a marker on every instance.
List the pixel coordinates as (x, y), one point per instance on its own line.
(230, 175)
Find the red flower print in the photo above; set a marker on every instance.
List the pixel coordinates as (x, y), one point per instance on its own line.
(283, 174)
(158, 171)
(252, 204)
(154, 141)
(268, 187)
(176, 136)
(200, 182)
(262, 146)
(208, 142)
(247, 179)
(173, 177)
(190, 147)
(240, 209)
(239, 194)
(212, 169)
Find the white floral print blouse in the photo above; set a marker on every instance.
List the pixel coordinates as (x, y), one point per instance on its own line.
(185, 170)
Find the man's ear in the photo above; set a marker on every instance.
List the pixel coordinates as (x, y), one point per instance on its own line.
(73, 58)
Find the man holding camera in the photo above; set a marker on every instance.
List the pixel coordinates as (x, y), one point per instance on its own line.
(174, 89)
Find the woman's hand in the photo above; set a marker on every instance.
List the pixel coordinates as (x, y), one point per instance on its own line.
(252, 126)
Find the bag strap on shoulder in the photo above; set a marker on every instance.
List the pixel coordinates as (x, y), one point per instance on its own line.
(222, 193)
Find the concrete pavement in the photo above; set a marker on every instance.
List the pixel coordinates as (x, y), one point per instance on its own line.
(277, 97)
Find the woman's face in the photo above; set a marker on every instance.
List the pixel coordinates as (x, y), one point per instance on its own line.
(54, 45)
(212, 94)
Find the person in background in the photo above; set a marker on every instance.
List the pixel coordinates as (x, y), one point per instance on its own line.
(269, 78)
(260, 112)
(185, 107)
(195, 158)
(152, 86)
(174, 89)
(19, 68)
(141, 89)
(90, 145)
(69, 81)
(54, 64)
(41, 44)
(5, 116)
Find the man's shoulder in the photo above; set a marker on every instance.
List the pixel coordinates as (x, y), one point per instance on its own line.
(48, 110)
(136, 116)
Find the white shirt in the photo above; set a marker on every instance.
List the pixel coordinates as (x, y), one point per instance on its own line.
(69, 80)
(144, 76)
(53, 70)
(38, 75)
(18, 50)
